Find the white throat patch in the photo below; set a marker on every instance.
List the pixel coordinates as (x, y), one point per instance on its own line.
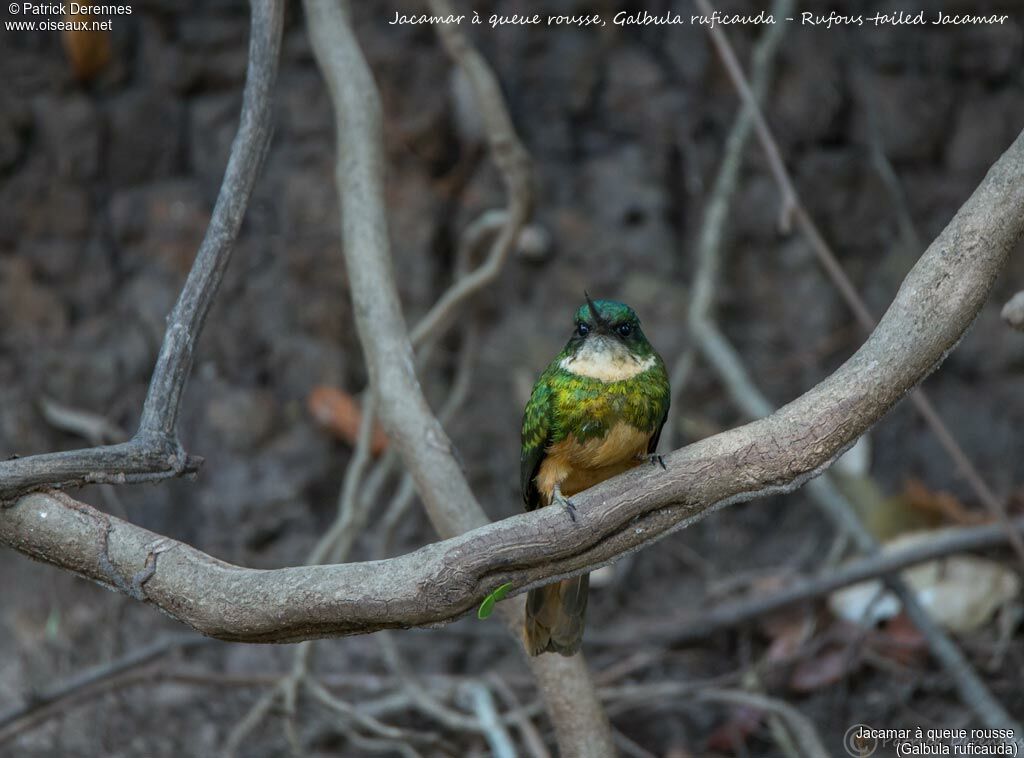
(606, 359)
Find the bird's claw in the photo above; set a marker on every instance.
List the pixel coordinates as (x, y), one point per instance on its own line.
(566, 503)
(656, 458)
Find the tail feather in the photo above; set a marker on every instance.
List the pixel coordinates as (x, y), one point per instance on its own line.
(555, 616)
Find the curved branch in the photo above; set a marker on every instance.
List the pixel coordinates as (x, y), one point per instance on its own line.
(933, 308)
(511, 159)
(418, 437)
(794, 210)
(154, 452)
(936, 304)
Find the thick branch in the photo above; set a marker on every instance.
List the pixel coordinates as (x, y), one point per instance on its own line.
(405, 415)
(154, 452)
(416, 433)
(935, 305)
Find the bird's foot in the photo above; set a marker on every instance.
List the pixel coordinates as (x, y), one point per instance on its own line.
(655, 459)
(565, 502)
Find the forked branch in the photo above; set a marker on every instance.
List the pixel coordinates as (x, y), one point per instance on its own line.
(154, 452)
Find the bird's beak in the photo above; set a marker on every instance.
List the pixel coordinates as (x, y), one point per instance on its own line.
(599, 321)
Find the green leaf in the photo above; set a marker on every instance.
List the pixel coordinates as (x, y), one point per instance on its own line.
(487, 606)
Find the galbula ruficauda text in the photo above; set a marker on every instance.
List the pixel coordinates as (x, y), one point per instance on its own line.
(596, 411)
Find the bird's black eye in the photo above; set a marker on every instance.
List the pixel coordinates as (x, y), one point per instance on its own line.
(624, 330)
(582, 329)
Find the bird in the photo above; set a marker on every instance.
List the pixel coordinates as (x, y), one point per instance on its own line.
(597, 410)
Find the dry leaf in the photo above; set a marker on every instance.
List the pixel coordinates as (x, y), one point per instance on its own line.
(788, 636)
(960, 592)
(942, 504)
(88, 50)
(828, 666)
(338, 411)
(743, 722)
(900, 640)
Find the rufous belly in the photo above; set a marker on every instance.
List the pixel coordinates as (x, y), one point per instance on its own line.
(574, 466)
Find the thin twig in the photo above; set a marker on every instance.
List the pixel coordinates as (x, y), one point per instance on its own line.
(509, 156)
(794, 209)
(490, 722)
(341, 535)
(420, 696)
(531, 737)
(943, 543)
(972, 689)
(801, 727)
(404, 496)
(92, 427)
(369, 723)
(74, 685)
(252, 720)
(884, 168)
(90, 695)
(709, 240)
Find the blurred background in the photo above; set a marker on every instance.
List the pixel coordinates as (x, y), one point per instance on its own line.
(112, 148)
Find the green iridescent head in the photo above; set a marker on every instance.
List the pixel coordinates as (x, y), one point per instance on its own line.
(605, 325)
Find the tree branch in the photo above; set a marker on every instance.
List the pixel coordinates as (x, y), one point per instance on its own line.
(971, 687)
(793, 209)
(155, 452)
(691, 628)
(417, 435)
(507, 153)
(934, 306)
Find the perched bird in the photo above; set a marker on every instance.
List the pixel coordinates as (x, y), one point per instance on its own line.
(596, 411)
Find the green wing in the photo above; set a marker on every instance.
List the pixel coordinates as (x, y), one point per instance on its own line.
(536, 437)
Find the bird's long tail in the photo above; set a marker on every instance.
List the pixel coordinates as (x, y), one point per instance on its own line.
(555, 615)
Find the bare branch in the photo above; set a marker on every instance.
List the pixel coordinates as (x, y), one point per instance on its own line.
(154, 452)
(419, 696)
(366, 721)
(405, 415)
(101, 672)
(490, 722)
(90, 426)
(793, 209)
(417, 435)
(509, 156)
(943, 543)
(935, 305)
(972, 689)
(802, 728)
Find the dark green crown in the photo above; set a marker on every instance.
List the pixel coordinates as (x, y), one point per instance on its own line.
(609, 311)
